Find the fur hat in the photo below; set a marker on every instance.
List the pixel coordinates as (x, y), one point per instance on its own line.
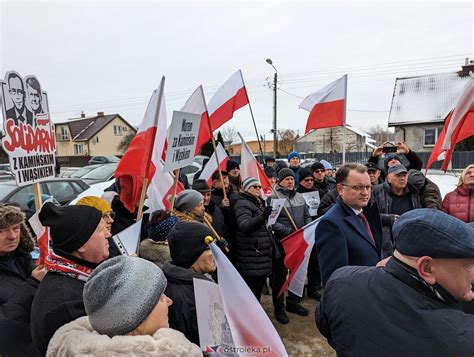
(70, 226)
(284, 173)
(121, 293)
(10, 215)
(187, 242)
(187, 200)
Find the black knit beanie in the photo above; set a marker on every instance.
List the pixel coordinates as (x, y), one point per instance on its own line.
(187, 242)
(70, 226)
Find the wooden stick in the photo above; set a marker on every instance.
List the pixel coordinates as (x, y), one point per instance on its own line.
(37, 193)
(175, 185)
(214, 232)
(142, 198)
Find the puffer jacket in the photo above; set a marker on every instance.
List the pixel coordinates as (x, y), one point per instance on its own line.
(252, 249)
(296, 207)
(78, 338)
(460, 204)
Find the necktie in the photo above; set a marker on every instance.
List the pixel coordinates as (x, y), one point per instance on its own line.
(365, 222)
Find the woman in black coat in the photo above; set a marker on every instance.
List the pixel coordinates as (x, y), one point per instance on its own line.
(253, 244)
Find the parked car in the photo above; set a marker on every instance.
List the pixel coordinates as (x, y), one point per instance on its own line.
(63, 190)
(68, 171)
(103, 159)
(190, 170)
(82, 171)
(100, 174)
(200, 159)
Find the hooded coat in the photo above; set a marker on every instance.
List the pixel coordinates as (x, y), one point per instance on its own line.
(78, 338)
(17, 290)
(182, 313)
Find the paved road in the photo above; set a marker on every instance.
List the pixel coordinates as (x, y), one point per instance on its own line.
(300, 336)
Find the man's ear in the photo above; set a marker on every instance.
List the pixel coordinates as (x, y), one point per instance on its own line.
(425, 269)
(339, 188)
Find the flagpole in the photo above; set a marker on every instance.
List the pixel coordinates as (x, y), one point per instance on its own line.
(214, 145)
(209, 224)
(148, 162)
(253, 120)
(344, 126)
(175, 186)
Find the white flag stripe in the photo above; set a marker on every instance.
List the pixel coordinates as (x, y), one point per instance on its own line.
(463, 106)
(297, 284)
(248, 166)
(196, 102)
(226, 92)
(211, 165)
(333, 91)
(238, 298)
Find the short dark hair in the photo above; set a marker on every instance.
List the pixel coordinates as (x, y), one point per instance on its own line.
(33, 83)
(15, 75)
(344, 170)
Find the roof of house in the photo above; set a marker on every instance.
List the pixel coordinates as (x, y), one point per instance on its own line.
(425, 99)
(83, 129)
(348, 127)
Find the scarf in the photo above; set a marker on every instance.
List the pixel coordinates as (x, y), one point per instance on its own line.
(67, 267)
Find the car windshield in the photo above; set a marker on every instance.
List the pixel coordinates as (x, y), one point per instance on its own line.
(84, 170)
(112, 158)
(6, 188)
(101, 173)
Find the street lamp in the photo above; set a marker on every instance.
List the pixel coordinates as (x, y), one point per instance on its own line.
(274, 130)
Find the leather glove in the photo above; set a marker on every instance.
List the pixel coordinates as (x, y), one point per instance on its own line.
(267, 211)
(222, 243)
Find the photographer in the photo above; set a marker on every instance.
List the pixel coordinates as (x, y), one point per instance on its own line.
(394, 156)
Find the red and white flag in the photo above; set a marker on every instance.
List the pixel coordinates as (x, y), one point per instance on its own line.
(458, 126)
(211, 165)
(141, 152)
(326, 106)
(249, 167)
(255, 337)
(230, 97)
(297, 247)
(42, 235)
(197, 104)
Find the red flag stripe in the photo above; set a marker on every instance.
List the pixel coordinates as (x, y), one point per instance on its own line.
(326, 115)
(226, 111)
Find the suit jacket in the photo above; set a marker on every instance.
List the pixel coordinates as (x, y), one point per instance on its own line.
(11, 113)
(341, 238)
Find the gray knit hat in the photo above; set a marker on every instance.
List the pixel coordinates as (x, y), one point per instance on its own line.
(121, 293)
(187, 200)
(249, 181)
(284, 173)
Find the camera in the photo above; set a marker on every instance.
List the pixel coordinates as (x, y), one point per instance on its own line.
(389, 149)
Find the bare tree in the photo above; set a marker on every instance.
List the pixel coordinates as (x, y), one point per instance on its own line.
(229, 134)
(286, 141)
(381, 135)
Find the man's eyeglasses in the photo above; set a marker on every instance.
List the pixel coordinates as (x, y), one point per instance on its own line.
(109, 215)
(359, 188)
(16, 91)
(258, 187)
(319, 171)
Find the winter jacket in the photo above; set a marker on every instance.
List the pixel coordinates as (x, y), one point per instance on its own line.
(296, 207)
(124, 218)
(58, 301)
(216, 197)
(156, 252)
(16, 295)
(324, 187)
(382, 194)
(180, 289)
(460, 204)
(78, 338)
(218, 221)
(370, 311)
(296, 171)
(252, 249)
(327, 201)
(430, 196)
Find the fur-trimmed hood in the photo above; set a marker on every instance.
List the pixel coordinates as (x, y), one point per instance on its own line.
(189, 217)
(78, 338)
(10, 215)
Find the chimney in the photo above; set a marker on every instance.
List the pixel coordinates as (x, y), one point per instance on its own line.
(83, 115)
(100, 114)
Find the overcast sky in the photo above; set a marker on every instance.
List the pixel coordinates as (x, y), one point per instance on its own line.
(109, 56)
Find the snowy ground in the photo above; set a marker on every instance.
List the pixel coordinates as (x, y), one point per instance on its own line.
(446, 181)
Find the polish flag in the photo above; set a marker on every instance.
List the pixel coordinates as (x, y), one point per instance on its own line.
(211, 165)
(161, 189)
(249, 167)
(458, 126)
(298, 246)
(230, 97)
(259, 334)
(138, 160)
(326, 106)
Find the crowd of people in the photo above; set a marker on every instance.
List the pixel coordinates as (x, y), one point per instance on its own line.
(392, 264)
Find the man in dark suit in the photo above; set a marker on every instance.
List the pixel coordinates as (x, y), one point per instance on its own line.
(350, 233)
(19, 112)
